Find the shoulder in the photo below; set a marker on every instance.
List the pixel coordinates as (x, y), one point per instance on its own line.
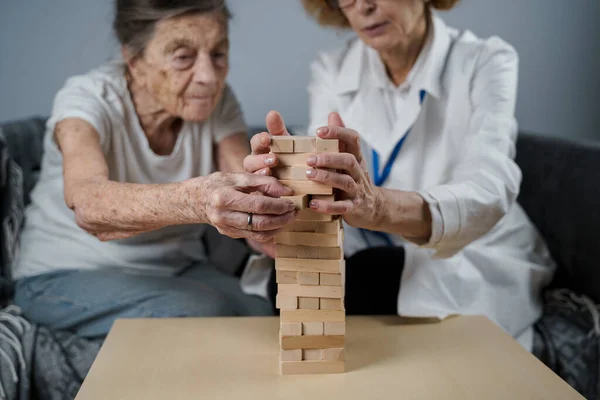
(467, 49)
(106, 82)
(330, 63)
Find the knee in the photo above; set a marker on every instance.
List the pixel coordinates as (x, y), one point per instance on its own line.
(199, 304)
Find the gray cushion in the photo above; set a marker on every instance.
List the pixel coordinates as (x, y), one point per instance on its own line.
(561, 195)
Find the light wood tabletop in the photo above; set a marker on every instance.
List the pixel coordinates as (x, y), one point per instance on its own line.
(386, 358)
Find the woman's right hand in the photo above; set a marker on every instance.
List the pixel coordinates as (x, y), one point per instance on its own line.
(261, 161)
(229, 198)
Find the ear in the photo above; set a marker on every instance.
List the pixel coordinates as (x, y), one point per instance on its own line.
(128, 57)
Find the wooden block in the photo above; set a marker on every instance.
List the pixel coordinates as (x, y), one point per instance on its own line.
(312, 342)
(331, 253)
(288, 160)
(291, 355)
(331, 354)
(312, 328)
(334, 328)
(330, 279)
(331, 228)
(285, 251)
(312, 367)
(312, 315)
(311, 215)
(308, 303)
(282, 172)
(300, 201)
(305, 226)
(306, 265)
(330, 304)
(326, 197)
(305, 144)
(307, 187)
(298, 173)
(311, 355)
(287, 276)
(282, 144)
(291, 329)
(328, 146)
(307, 278)
(286, 302)
(309, 239)
(307, 252)
(330, 292)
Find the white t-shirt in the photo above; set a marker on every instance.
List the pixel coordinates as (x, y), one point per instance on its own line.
(51, 239)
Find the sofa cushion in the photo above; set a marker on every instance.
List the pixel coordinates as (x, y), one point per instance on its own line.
(561, 194)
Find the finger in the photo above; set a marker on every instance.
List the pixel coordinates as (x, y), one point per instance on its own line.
(255, 163)
(336, 180)
(265, 184)
(275, 124)
(349, 139)
(261, 237)
(233, 200)
(335, 119)
(332, 207)
(260, 223)
(260, 143)
(342, 161)
(264, 172)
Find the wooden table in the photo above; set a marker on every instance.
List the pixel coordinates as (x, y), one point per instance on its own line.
(387, 358)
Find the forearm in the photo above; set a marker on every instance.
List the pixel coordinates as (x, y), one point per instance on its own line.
(112, 210)
(406, 214)
(231, 152)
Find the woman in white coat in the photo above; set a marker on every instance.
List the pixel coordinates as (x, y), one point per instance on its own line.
(426, 176)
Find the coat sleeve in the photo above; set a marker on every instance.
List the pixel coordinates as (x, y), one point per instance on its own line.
(486, 182)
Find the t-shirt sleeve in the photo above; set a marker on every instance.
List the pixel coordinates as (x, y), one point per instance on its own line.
(82, 97)
(228, 118)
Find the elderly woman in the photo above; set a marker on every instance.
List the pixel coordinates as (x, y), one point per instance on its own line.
(426, 177)
(128, 183)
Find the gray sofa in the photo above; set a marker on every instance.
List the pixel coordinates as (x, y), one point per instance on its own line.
(560, 193)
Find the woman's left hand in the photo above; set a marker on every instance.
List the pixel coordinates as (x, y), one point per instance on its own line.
(359, 201)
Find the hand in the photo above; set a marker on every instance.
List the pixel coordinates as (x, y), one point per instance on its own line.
(260, 161)
(267, 248)
(359, 201)
(227, 202)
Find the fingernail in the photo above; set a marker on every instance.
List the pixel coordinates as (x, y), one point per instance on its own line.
(291, 206)
(311, 160)
(314, 204)
(323, 131)
(269, 160)
(263, 172)
(311, 173)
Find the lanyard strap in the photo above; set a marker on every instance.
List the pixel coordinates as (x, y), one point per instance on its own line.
(381, 178)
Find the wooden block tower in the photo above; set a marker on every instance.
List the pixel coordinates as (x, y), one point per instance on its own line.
(310, 268)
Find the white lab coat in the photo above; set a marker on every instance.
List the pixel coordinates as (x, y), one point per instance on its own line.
(485, 256)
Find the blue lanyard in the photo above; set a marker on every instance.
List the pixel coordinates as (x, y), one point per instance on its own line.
(380, 177)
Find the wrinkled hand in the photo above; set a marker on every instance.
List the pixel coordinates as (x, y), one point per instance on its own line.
(228, 200)
(260, 161)
(359, 201)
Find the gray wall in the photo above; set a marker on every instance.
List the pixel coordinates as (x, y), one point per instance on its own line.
(43, 42)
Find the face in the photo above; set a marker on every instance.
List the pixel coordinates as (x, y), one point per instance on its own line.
(185, 64)
(384, 24)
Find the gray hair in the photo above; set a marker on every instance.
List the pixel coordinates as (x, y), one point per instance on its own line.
(135, 20)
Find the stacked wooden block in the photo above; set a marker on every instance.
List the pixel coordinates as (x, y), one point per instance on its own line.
(310, 267)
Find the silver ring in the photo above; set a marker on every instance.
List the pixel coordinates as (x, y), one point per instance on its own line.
(249, 225)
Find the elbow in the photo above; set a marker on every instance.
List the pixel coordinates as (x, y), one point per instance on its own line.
(86, 215)
(85, 219)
